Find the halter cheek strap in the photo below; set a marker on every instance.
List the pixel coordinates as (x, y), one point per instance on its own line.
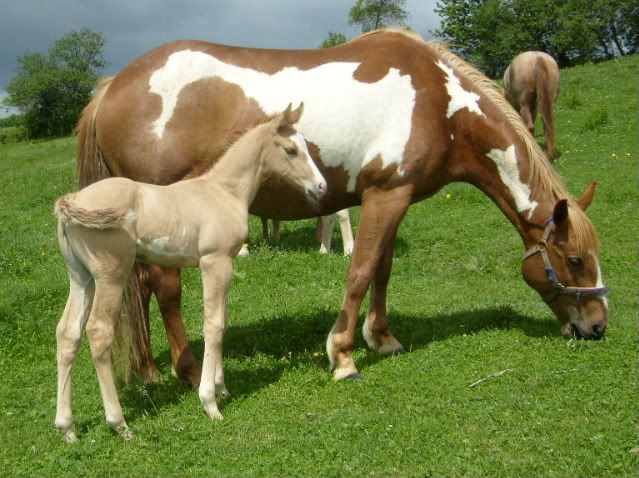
(557, 287)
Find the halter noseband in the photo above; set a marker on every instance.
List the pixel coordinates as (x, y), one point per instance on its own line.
(557, 286)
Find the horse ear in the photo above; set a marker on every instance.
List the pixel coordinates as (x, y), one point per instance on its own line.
(295, 116)
(586, 198)
(560, 213)
(282, 119)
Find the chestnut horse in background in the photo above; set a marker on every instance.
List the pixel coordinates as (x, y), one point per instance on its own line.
(389, 120)
(531, 82)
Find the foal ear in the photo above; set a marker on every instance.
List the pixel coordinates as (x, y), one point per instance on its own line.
(560, 213)
(282, 119)
(586, 198)
(294, 116)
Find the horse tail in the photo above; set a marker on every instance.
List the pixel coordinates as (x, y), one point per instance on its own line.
(545, 104)
(69, 212)
(131, 332)
(90, 166)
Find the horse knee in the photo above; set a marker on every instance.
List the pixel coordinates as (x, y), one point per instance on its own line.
(100, 339)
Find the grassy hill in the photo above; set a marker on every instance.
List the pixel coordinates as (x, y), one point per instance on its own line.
(457, 303)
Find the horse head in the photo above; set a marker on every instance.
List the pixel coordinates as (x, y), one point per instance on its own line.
(564, 269)
(287, 157)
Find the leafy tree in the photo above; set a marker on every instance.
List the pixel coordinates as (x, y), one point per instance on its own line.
(51, 90)
(373, 14)
(491, 32)
(333, 39)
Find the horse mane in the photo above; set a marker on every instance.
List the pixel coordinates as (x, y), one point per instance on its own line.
(402, 31)
(542, 176)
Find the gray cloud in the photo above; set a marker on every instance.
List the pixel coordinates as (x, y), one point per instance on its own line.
(133, 27)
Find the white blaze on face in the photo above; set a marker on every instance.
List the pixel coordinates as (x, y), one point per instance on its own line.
(508, 169)
(459, 97)
(313, 185)
(599, 283)
(351, 122)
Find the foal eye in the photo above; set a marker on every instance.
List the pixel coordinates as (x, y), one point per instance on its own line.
(575, 262)
(291, 150)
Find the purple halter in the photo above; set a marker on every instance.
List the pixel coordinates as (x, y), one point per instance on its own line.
(558, 287)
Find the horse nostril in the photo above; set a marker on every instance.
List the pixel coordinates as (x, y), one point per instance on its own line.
(322, 188)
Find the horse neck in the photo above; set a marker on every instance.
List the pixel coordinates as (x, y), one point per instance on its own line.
(239, 170)
(506, 177)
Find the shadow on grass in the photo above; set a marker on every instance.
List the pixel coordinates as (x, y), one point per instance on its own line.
(283, 342)
(302, 239)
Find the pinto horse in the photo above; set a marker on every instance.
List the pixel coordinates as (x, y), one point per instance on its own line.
(389, 120)
(531, 81)
(201, 222)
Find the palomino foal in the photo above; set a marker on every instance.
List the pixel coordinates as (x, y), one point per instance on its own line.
(105, 227)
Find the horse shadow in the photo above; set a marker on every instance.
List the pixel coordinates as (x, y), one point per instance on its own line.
(294, 341)
(302, 238)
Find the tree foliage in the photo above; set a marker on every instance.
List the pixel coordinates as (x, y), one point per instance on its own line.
(51, 90)
(333, 39)
(490, 33)
(373, 14)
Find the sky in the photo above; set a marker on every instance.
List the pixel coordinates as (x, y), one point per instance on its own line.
(133, 27)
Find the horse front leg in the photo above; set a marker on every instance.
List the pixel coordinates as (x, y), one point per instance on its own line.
(376, 329)
(217, 272)
(167, 286)
(382, 211)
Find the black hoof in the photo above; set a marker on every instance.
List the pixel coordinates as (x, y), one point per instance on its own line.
(354, 377)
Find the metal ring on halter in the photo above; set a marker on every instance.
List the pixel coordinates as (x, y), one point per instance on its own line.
(558, 287)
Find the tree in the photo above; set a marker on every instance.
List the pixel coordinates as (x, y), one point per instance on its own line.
(51, 90)
(373, 14)
(490, 33)
(333, 39)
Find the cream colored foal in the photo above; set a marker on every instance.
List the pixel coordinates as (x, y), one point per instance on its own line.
(106, 226)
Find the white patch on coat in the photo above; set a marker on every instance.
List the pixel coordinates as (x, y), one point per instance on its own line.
(459, 97)
(508, 169)
(351, 122)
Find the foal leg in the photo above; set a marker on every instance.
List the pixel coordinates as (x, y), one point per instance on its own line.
(382, 211)
(217, 272)
(68, 337)
(327, 223)
(107, 302)
(344, 219)
(376, 330)
(167, 287)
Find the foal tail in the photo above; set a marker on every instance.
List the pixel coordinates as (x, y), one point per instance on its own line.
(132, 332)
(545, 102)
(70, 213)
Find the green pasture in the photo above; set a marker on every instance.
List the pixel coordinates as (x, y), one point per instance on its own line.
(457, 302)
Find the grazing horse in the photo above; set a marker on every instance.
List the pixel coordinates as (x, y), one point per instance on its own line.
(389, 120)
(106, 226)
(531, 81)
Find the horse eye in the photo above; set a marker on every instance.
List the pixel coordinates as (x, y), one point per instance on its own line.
(291, 150)
(575, 262)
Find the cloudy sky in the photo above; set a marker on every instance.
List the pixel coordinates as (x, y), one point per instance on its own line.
(133, 27)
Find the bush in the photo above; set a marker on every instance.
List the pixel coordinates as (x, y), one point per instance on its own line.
(13, 134)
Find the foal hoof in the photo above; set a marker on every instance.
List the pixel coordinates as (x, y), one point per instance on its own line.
(354, 377)
(69, 437)
(125, 432)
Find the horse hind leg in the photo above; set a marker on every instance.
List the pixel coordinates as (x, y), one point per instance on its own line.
(107, 302)
(68, 337)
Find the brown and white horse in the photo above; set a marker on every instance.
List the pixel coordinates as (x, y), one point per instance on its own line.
(531, 81)
(200, 222)
(390, 120)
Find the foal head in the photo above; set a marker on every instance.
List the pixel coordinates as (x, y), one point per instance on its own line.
(286, 158)
(564, 269)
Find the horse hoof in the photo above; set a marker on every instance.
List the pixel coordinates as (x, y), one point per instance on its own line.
(399, 351)
(69, 437)
(125, 432)
(354, 377)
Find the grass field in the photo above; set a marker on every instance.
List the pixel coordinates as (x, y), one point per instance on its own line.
(457, 302)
